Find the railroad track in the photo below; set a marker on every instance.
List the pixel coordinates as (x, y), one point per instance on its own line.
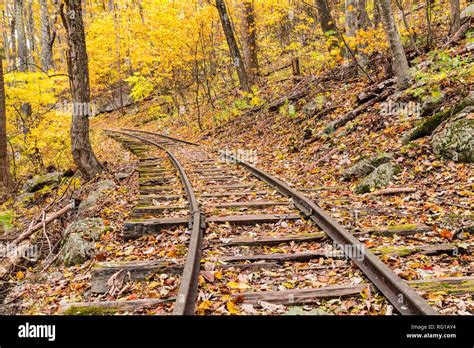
(248, 239)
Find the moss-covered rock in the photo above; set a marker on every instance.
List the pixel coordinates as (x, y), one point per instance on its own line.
(429, 124)
(366, 166)
(455, 139)
(97, 194)
(76, 250)
(38, 182)
(379, 178)
(89, 229)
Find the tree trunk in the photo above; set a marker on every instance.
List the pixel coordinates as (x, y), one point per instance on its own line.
(78, 71)
(327, 25)
(46, 37)
(5, 177)
(250, 40)
(399, 59)
(22, 59)
(357, 19)
(455, 16)
(233, 48)
(30, 27)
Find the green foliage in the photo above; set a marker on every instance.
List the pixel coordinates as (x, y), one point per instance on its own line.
(6, 220)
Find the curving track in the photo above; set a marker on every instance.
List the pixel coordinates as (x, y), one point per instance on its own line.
(398, 293)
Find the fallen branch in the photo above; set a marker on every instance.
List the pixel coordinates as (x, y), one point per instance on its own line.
(40, 225)
(20, 246)
(341, 121)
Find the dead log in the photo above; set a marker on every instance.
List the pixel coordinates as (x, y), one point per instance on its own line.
(341, 121)
(457, 36)
(109, 307)
(373, 91)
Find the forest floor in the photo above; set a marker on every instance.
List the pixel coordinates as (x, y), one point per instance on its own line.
(286, 144)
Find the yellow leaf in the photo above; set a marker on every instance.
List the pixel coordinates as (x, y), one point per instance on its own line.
(235, 285)
(231, 308)
(206, 304)
(218, 275)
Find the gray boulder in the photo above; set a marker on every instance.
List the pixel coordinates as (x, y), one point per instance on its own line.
(467, 12)
(94, 196)
(454, 140)
(379, 178)
(366, 166)
(90, 229)
(40, 181)
(76, 250)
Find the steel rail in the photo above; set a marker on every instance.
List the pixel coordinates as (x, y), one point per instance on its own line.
(161, 135)
(398, 293)
(187, 292)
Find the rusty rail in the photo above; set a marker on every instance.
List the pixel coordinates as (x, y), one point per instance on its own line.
(186, 298)
(397, 292)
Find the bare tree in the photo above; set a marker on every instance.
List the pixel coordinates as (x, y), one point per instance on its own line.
(324, 14)
(22, 59)
(233, 47)
(455, 16)
(357, 19)
(47, 37)
(250, 39)
(78, 70)
(399, 59)
(5, 176)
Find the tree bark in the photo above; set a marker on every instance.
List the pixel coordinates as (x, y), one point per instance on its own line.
(357, 19)
(46, 37)
(250, 39)
(455, 16)
(22, 59)
(233, 47)
(399, 59)
(78, 71)
(5, 177)
(30, 27)
(324, 13)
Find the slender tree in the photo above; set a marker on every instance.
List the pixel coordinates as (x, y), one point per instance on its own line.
(357, 19)
(78, 70)
(22, 59)
(455, 16)
(47, 37)
(324, 14)
(233, 47)
(250, 39)
(5, 176)
(399, 59)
